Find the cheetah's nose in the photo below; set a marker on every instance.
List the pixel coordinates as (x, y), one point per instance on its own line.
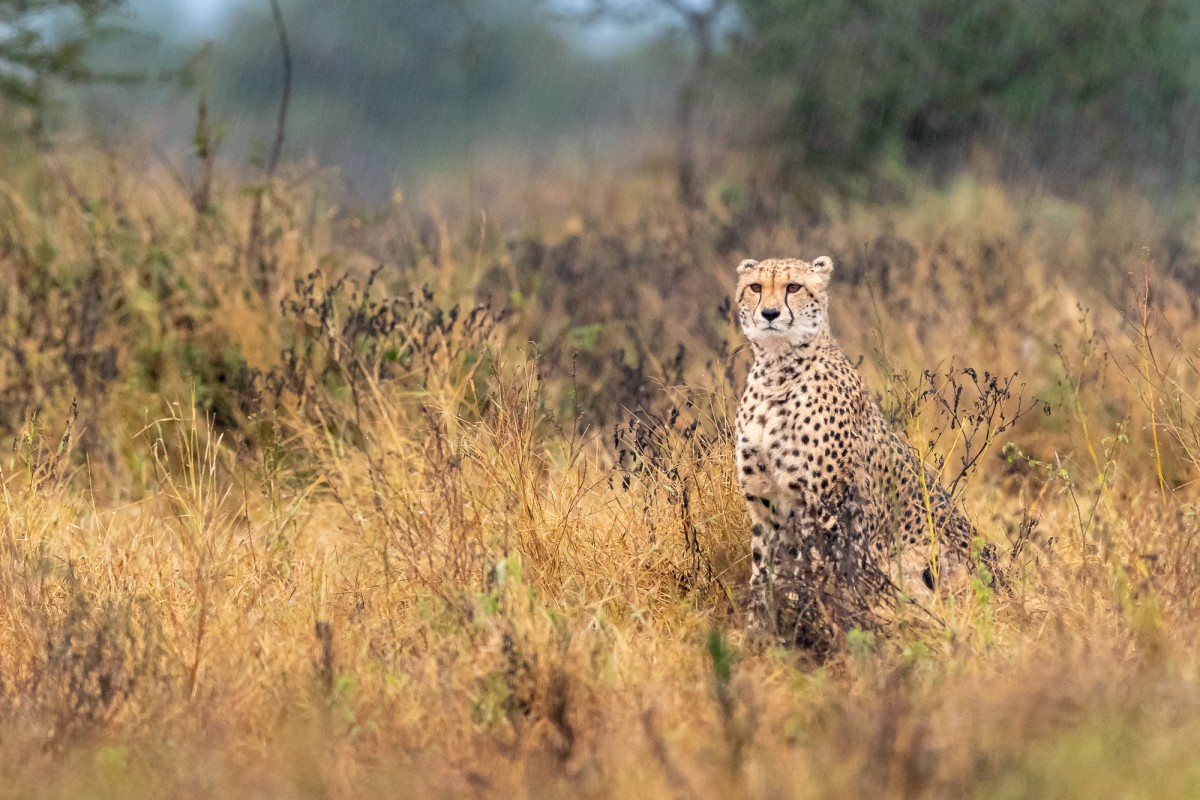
(770, 314)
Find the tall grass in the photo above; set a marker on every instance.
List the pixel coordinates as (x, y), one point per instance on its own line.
(446, 507)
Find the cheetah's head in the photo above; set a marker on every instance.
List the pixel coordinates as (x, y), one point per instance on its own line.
(782, 302)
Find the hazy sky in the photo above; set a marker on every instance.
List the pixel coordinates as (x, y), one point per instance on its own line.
(206, 12)
(191, 18)
(202, 19)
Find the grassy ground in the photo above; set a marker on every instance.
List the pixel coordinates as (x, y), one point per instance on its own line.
(318, 523)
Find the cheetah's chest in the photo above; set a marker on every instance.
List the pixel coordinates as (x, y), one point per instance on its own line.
(793, 438)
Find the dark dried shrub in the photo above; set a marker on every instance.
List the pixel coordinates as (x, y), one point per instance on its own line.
(348, 341)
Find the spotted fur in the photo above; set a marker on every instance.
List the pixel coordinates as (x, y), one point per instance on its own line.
(846, 520)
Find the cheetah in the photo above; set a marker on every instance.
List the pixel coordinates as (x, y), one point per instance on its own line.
(846, 521)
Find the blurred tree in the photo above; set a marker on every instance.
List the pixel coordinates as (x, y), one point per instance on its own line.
(702, 22)
(381, 85)
(43, 39)
(846, 80)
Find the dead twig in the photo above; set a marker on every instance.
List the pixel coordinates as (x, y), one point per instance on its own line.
(254, 237)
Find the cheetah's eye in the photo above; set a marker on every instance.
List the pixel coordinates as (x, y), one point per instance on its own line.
(792, 288)
(756, 288)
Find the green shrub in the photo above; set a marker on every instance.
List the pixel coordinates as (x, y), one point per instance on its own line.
(850, 80)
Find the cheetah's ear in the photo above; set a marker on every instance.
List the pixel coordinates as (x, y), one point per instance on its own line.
(822, 265)
(746, 265)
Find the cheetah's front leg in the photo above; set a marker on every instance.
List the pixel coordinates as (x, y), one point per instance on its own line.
(764, 534)
(757, 489)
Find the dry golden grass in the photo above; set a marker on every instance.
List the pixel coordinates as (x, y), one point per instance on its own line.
(303, 539)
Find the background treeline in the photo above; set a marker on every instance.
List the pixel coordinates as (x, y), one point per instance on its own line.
(1076, 88)
(1068, 91)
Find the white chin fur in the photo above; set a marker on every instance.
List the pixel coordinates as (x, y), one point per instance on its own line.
(781, 337)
